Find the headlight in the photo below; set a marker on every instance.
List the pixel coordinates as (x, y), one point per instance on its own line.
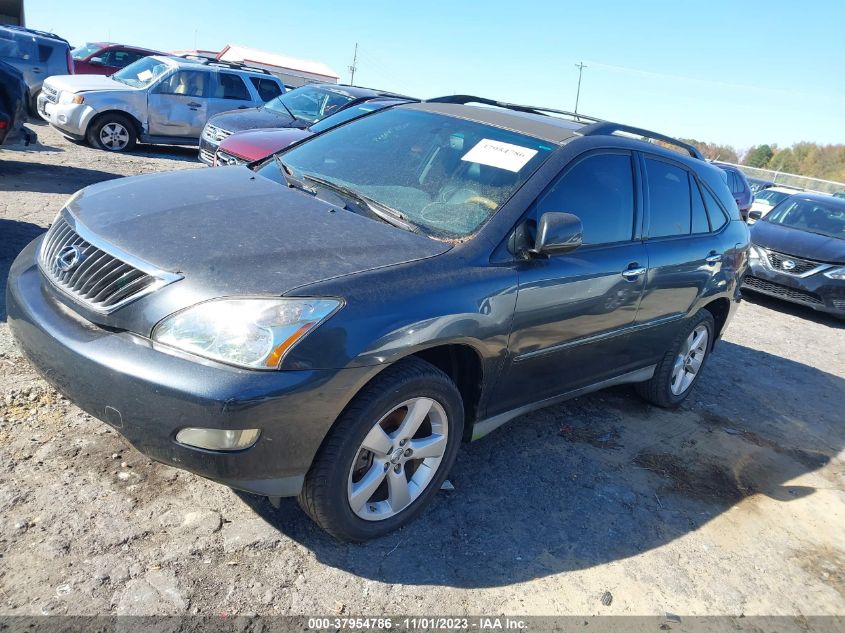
(836, 273)
(66, 97)
(254, 333)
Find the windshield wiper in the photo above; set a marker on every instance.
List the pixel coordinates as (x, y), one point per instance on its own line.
(290, 180)
(376, 208)
(292, 115)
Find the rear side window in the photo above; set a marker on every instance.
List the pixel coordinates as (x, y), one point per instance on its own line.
(44, 53)
(718, 217)
(600, 190)
(669, 199)
(267, 88)
(232, 87)
(735, 183)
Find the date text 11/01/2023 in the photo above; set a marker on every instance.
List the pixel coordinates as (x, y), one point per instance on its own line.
(418, 623)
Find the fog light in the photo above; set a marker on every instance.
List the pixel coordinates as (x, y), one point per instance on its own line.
(218, 439)
(62, 118)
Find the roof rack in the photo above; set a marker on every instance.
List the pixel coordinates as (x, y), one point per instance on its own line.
(46, 34)
(464, 99)
(607, 128)
(213, 61)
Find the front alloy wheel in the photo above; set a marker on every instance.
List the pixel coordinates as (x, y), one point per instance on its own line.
(387, 454)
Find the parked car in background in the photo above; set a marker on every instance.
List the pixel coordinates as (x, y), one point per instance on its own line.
(335, 321)
(765, 201)
(37, 54)
(13, 106)
(299, 108)
(758, 184)
(158, 99)
(251, 145)
(839, 194)
(741, 190)
(105, 58)
(798, 253)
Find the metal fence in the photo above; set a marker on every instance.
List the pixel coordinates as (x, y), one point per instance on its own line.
(793, 180)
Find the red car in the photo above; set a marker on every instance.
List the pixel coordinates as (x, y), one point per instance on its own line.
(104, 58)
(250, 145)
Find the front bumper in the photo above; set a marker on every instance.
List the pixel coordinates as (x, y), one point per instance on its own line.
(149, 394)
(815, 291)
(207, 151)
(71, 119)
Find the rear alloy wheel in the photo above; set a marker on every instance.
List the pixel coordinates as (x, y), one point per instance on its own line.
(388, 453)
(681, 366)
(113, 133)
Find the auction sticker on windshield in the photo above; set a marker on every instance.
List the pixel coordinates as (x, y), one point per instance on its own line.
(499, 154)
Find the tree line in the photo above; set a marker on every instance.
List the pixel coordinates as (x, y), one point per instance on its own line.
(804, 159)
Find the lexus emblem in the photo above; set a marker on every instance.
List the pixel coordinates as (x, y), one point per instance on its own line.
(68, 258)
(788, 264)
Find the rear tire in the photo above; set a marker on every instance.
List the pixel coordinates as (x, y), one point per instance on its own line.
(387, 455)
(681, 366)
(113, 133)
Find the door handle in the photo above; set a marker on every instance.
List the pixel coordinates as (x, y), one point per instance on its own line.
(631, 274)
(713, 258)
(243, 107)
(36, 70)
(194, 104)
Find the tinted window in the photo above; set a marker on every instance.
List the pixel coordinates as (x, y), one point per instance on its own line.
(188, 83)
(717, 215)
(44, 53)
(348, 114)
(669, 199)
(699, 214)
(815, 216)
(119, 59)
(13, 46)
(600, 191)
(232, 87)
(267, 88)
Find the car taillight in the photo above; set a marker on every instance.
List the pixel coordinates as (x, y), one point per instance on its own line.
(3, 124)
(70, 67)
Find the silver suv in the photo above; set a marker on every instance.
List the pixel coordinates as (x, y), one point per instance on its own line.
(37, 54)
(158, 99)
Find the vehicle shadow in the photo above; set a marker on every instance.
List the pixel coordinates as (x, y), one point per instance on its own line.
(604, 477)
(14, 235)
(179, 153)
(21, 175)
(793, 309)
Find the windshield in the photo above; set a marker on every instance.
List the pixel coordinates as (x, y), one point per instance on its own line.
(142, 73)
(352, 112)
(771, 197)
(814, 216)
(445, 175)
(309, 103)
(84, 51)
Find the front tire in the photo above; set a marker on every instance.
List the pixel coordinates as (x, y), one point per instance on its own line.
(681, 366)
(387, 455)
(113, 133)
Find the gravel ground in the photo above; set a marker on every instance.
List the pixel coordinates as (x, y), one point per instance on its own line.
(734, 504)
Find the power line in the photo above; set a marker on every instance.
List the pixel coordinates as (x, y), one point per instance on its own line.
(354, 66)
(580, 66)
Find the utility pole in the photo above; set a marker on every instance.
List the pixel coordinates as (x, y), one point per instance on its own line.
(354, 66)
(580, 66)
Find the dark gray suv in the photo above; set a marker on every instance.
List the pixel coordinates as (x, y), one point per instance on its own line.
(334, 322)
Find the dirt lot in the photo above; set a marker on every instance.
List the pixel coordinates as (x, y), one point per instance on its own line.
(604, 505)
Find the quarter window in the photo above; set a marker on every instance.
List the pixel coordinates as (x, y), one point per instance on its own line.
(669, 199)
(600, 191)
(699, 214)
(717, 215)
(44, 53)
(232, 87)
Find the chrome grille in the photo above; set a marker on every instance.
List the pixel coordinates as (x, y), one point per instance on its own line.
(93, 277)
(215, 134)
(224, 158)
(206, 156)
(51, 94)
(801, 266)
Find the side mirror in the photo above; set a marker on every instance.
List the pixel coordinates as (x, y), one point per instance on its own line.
(755, 215)
(557, 233)
(96, 61)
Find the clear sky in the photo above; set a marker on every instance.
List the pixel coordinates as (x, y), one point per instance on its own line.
(738, 72)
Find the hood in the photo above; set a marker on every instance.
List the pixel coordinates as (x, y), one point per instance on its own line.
(82, 83)
(799, 243)
(232, 232)
(256, 144)
(253, 118)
